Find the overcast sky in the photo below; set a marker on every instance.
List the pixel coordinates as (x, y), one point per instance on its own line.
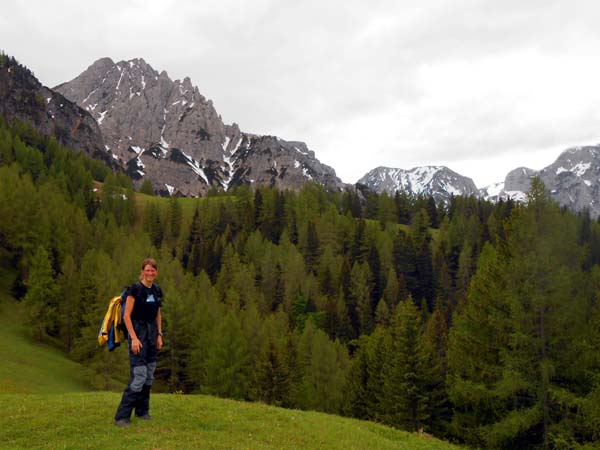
(481, 86)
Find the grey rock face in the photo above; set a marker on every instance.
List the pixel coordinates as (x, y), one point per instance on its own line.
(168, 132)
(519, 179)
(22, 97)
(270, 161)
(573, 180)
(438, 181)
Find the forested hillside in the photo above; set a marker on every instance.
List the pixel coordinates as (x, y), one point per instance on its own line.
(477, 322)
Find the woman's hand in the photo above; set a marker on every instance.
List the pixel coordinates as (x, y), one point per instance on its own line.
(159, 342)
(136, 346)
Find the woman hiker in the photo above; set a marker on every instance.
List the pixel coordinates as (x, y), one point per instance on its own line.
(144, 327)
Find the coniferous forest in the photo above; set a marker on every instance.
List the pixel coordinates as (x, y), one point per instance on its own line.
(473, 321)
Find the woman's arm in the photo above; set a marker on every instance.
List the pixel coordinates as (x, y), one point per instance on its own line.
(136, 345)
(159, 340)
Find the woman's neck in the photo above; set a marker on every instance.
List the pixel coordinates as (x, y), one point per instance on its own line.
(148, 284)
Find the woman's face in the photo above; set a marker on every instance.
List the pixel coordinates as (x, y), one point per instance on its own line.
(149, 273)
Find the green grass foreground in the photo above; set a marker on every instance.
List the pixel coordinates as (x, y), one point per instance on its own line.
(84, 421)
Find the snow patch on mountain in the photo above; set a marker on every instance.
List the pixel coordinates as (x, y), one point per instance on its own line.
(195, 166)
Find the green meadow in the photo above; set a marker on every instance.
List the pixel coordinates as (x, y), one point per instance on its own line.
(45, 405)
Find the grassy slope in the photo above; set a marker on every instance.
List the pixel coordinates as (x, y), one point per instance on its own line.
(82, 421)
(44, 405)
(27, 368)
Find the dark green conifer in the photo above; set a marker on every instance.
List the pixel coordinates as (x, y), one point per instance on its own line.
(405, 403)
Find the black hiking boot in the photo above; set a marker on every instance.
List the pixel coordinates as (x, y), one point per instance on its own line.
(122, 423)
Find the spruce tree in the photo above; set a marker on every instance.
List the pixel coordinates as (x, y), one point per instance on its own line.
(476, 345)
(42, 294)
(515, 354)
(69, 304)
(386, 209)
(435, 347)
(405, 257)
(271, 376)
(391, 293)
(359, 250)
(154, 224)
(227, 367)
(175, 219)
(378, 350)
(146, 187)
(403, 207)
(382, 314)
(366, 395)
(312, 247)
(323, 367)
(404, 391)
(360, 298)
(465, 271)
(357, 395)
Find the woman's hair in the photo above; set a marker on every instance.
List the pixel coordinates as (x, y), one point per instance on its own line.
(149, 262)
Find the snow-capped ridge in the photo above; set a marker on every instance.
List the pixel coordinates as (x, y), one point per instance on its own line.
(440, 182)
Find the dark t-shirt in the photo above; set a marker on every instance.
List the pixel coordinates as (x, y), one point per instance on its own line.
(147, 301)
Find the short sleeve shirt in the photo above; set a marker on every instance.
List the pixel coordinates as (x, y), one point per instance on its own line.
(147, 301)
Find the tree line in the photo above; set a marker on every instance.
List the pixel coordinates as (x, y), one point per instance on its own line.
(474, 321)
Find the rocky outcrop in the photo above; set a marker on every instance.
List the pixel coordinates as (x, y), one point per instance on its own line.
(167, 132)
(436, 181)
(271, 161)
(515, 186)
(573, 180)
(23, 98)
(519, 179)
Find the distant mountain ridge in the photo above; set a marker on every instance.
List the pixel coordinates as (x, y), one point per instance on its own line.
(573, 180)
(436, 181)
(167, 132)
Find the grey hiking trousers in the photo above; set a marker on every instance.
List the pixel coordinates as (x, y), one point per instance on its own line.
(141, 372)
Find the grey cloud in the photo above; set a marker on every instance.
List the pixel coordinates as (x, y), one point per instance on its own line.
(317, 70)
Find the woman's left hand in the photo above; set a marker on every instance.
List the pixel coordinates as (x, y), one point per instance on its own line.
(159, 342)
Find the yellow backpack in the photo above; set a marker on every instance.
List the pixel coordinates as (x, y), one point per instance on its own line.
(112, 331)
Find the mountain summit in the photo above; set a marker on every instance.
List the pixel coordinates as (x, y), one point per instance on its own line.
(436, 181)
(169, 133)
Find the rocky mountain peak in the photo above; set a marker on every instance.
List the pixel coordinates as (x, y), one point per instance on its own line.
(166, 131)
